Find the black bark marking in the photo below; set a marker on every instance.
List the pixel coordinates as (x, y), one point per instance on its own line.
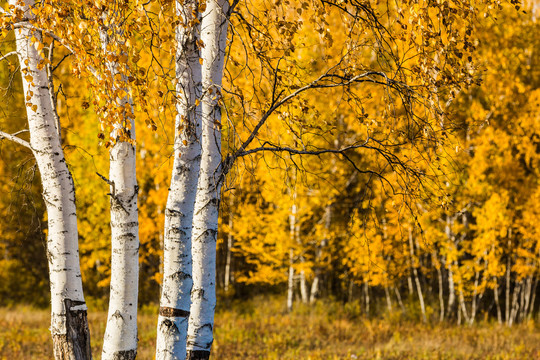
(198, 355)
(125, 355)
(197, 293)
(207, 325)
(180, 275)
(117, 314)
(172, 212)
(176, 231)
(173, 312)
(170, 327)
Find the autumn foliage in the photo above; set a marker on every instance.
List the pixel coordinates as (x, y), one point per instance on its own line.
(397, 162)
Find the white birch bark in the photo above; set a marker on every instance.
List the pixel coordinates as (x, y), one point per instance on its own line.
(290, 282)
(177, 278)
(69, 325)
(497, 304)
(416, 279)
(120, 340)
(230, 240)
(205, 220)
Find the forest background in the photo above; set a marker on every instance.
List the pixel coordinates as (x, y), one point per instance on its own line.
(458, 244)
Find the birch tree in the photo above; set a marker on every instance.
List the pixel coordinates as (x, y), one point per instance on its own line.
(177, 270)
(214, 26)
(69, 324)
(120, 340)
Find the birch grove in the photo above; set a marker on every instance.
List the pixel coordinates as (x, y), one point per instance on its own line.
(69, 324)
(319, 88)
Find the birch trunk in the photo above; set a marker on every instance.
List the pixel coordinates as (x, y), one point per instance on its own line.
(292, 232)
(463, 308)
(205, 220)
(315, 284)
(69, 324)
(441, 293)
(451, 293)
(415, 273)
(398, 296)
(388, 300)
(228, 259)
(533, 298)
(120, 340)
(366, 296)
(290, 282)
(507, 292)
(475, 298)
(515, 303)
(177, 271)
(497, 304)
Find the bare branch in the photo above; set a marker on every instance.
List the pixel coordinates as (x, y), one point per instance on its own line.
(8, 55)
(14, 138)
(304, 151)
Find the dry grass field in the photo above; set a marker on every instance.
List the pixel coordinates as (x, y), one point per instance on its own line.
(260, 329)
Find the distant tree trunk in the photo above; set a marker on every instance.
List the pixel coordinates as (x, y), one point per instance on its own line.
(474, 298)
(441, 293)
(315, 284)
(507, 298)
(451, 293)
(497, 304)
(525, 298)
(177, 277)
(515, 303)
(398, 296)
(388, 299)
(292, 236)
(303, 287)
(533, 298)
(415, 273)
(290, 282)
(451, 285)
(366, 296)
(214, 26)
(69, 324)
(230, 239)
(120, 340)
(314, 289)
(463, 308)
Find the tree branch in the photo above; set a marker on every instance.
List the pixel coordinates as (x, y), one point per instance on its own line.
(14, 138)
(8, 55)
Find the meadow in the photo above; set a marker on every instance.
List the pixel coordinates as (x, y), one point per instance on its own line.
(262, 329)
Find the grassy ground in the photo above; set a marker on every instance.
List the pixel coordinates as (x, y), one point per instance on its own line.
(260, 329)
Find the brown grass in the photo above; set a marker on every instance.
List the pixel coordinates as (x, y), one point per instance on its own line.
(260, 329)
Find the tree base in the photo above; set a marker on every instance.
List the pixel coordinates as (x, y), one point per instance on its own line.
(75, 344)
